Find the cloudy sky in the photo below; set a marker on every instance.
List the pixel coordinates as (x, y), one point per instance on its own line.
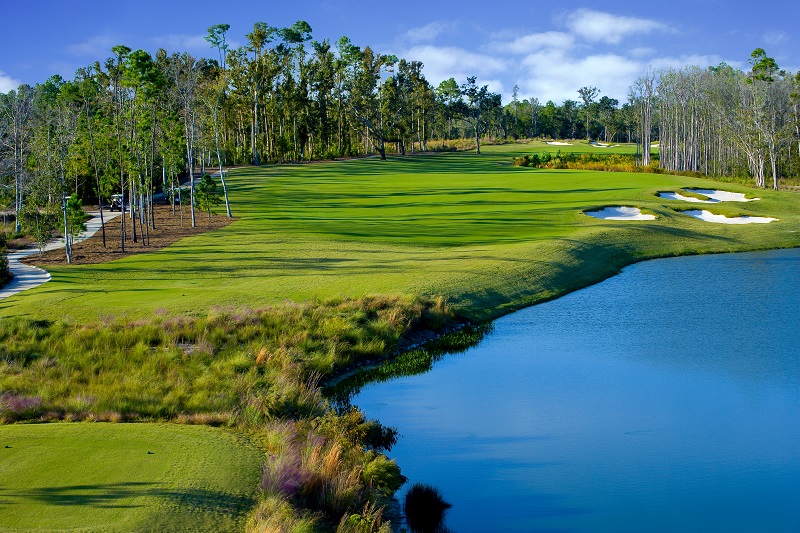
(548, 49)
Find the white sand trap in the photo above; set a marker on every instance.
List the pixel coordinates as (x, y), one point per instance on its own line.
(620, 213)
(714, 196)
(724, 196)
(708, 216)
(655, 145)
(559, 143)
(677, 196)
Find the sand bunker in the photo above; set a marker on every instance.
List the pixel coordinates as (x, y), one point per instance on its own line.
(708, 216)
(620, 213)
(677, 196)
(559, 143)
(724, 196)
(714, 196)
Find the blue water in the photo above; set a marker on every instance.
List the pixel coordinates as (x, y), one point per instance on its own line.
(664, 399)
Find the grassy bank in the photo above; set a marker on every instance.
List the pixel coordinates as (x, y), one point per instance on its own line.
(253, 372)
(228, 368)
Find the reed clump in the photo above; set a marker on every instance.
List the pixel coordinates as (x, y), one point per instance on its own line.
(222, 368)
(425, 508)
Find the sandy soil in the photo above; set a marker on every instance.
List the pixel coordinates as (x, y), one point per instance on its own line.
(168, 230)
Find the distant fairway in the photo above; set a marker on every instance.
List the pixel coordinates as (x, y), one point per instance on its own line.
(100, 477)
(489, 236)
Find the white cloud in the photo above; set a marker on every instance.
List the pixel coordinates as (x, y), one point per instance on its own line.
(442, 63)
(98, 46)
(495, 86)
(777, 38)
(555, 76)
(702, 61)
(7, 83)
(642, 52)
(597, 26)
(535, 41)
(429, 32)
(182, 43)
(553, 65)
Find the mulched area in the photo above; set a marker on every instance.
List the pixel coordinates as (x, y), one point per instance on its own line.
(168, 230)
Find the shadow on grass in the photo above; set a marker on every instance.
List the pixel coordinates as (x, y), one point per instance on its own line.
(118, 496)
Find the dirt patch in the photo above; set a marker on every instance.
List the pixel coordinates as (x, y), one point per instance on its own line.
(167, 230)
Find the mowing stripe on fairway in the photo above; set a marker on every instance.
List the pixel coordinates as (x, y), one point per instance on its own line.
(125, 477)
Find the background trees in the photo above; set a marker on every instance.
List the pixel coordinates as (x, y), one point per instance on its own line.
(721, 121)
(588, 94)
(477, 107)
(135, 123)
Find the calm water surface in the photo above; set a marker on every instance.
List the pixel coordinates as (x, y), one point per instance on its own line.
(664, 399)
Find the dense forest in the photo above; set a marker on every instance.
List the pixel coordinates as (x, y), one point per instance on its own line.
(137, 123)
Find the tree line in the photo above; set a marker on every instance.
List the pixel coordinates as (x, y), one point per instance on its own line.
(721, 121)
(138, 123)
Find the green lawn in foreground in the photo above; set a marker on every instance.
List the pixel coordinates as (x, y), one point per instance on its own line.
(100, 477)
(489, 236)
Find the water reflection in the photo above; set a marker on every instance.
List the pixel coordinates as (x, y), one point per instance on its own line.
(664, 399)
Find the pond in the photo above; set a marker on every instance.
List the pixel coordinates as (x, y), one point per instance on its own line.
(664, 399)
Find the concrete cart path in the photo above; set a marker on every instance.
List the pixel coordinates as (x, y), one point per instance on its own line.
(27, 276)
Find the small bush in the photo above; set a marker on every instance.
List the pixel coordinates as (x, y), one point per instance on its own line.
(276, 514)
(15, 407)
(369, 520)
(5, 274)
(524, 161)
(424, 508)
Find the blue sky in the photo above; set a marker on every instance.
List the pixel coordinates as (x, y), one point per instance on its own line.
(548, 49)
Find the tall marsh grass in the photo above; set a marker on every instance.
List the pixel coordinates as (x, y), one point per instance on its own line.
(256, 370)
(252, 365)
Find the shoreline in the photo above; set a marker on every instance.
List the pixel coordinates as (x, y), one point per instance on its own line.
(426, 338)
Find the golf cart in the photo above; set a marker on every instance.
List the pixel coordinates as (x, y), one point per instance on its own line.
(116, 202)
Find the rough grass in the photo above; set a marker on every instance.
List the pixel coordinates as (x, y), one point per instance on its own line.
(125, 477)
(489, 236)
(234, 368)
(252, 370)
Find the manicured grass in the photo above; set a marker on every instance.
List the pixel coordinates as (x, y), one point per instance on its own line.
(489, 236)
(100, 477)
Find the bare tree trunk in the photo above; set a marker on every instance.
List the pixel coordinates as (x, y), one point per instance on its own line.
(219, 160)
(67, 247)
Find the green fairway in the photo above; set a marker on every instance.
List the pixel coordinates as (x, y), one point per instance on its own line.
(125, 477)
(489, 236)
